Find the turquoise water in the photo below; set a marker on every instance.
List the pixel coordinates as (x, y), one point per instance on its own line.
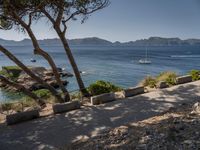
(115, 64)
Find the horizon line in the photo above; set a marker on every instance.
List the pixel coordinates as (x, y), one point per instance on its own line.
(106, 39)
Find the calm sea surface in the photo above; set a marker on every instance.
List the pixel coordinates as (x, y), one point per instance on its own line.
(115, 64)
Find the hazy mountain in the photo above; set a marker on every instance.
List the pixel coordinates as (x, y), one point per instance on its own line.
(152, 41)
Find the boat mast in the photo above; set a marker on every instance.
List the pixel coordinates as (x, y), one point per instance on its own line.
(146, 54)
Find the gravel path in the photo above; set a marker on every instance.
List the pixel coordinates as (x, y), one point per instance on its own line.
(56, 131)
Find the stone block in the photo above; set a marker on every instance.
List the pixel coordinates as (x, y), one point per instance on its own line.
(133, 91)
(22, 116)
(103, 98)
(184, 79)
(65, 107)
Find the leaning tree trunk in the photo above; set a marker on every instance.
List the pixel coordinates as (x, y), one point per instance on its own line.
(22, 89)
(39, 51)
(72, 61)
(30, 73)
(44, 54)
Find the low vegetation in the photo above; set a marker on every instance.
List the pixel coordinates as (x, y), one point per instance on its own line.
(11, 72)
(43, 93)
(27, 102)
(17, 106)
(168, 76)
(195, 75)
(100, 87)
(149, 81)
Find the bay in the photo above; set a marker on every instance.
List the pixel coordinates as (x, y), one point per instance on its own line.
(117, 64)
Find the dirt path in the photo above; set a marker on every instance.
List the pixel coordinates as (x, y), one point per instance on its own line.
(56, 131)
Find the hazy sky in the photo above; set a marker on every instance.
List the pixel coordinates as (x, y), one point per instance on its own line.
(126, 20)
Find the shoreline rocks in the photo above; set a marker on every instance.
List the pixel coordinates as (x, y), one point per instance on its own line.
(25, 80)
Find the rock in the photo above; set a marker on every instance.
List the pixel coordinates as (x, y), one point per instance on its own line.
(133, 91)
(47, 78)
(37, 70)
(66, 74)
(119, 95)
(48, 73)
(187, 142)
(162, 84)
(53, 83)
(22, 116)
(2, 84)
(184, 79)
(64, 107)
(103, 98)
(65, 82)
(196, 108)
(142, 147)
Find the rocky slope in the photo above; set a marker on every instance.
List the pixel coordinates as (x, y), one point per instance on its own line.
(177, 129)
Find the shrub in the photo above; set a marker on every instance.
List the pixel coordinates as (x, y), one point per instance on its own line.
(42, 93)
(100, 87)
(195, 75)
(75, 95)
(12, 71)
(168, 76)
(149, 81)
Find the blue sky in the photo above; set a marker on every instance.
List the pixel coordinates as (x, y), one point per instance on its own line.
(126, 20)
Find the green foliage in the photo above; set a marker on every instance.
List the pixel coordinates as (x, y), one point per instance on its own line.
(195, 75)
(11, 67)
(75, 95)
(149, 81)
(42, 93)
(168, 76)
(11, 72)
(100, 87)
(6, 106)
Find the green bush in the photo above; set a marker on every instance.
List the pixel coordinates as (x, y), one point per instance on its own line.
(168, 76)
(75, 95)
(195, 75)
(11, 72)
(100, 87)
(149, 81)
(42, 93)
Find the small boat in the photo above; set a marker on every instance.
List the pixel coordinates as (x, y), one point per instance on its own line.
(33, 60)
(145, 60)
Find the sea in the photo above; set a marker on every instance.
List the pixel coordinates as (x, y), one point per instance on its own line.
(117, 64)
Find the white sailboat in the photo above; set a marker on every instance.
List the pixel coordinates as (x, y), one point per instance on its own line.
(145, 60)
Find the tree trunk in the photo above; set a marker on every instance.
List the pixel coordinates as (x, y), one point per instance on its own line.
(72, 61)
(30, 73)
(24, 90)
(39, 51)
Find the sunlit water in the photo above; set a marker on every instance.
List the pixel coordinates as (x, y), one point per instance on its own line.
(115, 64)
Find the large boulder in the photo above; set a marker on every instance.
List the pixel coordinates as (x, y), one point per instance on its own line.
(37, 70)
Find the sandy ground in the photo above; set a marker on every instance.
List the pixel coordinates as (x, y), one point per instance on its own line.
(56, 131)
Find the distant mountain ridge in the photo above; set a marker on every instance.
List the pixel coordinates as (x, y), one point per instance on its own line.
(152, 41)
